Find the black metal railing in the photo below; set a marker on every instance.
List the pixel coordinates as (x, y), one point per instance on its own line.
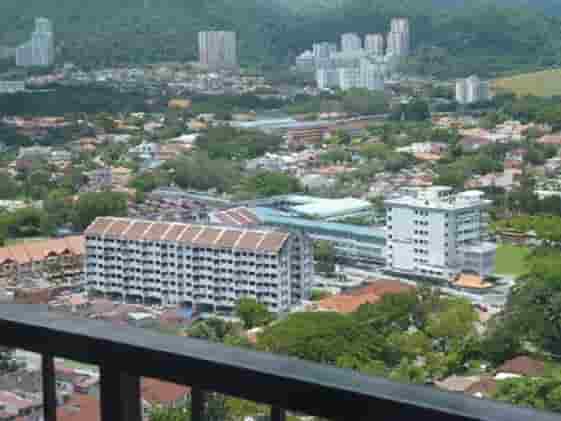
(125, 354)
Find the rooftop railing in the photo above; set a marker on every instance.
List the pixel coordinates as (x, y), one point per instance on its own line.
(125, 354)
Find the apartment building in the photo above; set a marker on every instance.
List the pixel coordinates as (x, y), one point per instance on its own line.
(374, 44)
(40, 49)
(11, 87)
(218, 50)
(57, 261)
(472, 90)
(435, 233)
(208, 267)
(350, 42)
(399, 38)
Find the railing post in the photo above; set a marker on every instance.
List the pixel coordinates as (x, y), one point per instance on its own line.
(48, 375)
(197, 404)
(277, 414)
(120, 395)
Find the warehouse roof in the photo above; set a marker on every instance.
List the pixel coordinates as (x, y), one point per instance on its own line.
(325, 208)
(274, 217)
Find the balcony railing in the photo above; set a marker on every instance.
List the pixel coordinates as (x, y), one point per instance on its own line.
(126, 354)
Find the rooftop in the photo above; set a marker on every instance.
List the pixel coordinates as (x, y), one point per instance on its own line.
(325, 208)
(524, 366)
(39, 250)
(271, 216)
(437, 197)
(194, 234)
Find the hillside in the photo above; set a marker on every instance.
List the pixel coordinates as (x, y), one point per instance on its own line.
(545, 83)
(474, 36)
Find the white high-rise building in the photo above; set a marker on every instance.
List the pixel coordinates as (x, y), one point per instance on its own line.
(434, 233)
(461, 93)
(327, 78)
(305, 62)
(324, 49)
(372, 74)
(43, 49)
(24, 55)
(349, 78)
(43, 25)
(471, 90)
(322, 52)
(399, 39)
(203, 266)
(374, 44)
(40, 50)
(218, 50)
(350, 42)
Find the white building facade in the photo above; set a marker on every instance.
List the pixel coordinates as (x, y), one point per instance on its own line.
(472, 90)
(198, 265)
(350, 42)
(218, 50)
(327, 78)
(374, 44)
(11, 87)
(349, 78)
(40, 49)
(399, 38)
(434, 233)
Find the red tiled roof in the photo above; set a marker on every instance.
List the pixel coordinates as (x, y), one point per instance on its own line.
(80, 407)
(197, 235)
(237, 217)
(524, 366)
(159, 392)
(40, 250)
(372, 293)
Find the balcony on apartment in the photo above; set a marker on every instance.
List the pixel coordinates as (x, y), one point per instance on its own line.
(126, 354)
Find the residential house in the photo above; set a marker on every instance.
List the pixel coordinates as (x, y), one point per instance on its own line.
(57, 260)
(473, 144)
(521, 366)
(372, 293)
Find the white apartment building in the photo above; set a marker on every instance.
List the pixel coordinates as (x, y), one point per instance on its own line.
(399, 38)
(374, 44)
(40, 49)
(305, 62)
(323, 52)
(434, 233)
(324, 49)
(471, 90)
(327, 78)
(350, 42)
(210, 267)
(11, 87)
(372, 74)
(349, 77)
(218, 50)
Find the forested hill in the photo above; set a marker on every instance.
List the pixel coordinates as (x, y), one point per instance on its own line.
(470, 36)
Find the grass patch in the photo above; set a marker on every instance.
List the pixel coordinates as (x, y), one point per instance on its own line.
(511, 260)
(544, 83)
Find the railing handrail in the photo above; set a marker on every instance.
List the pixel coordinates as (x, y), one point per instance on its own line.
(280, 381)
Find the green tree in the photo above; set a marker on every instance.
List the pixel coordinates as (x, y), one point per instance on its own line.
(91, 205)
(198, 171)
(252, 313)
(268, 183)
(324, 255)
(9, 188)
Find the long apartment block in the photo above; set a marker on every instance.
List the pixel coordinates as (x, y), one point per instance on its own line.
(204, 266)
